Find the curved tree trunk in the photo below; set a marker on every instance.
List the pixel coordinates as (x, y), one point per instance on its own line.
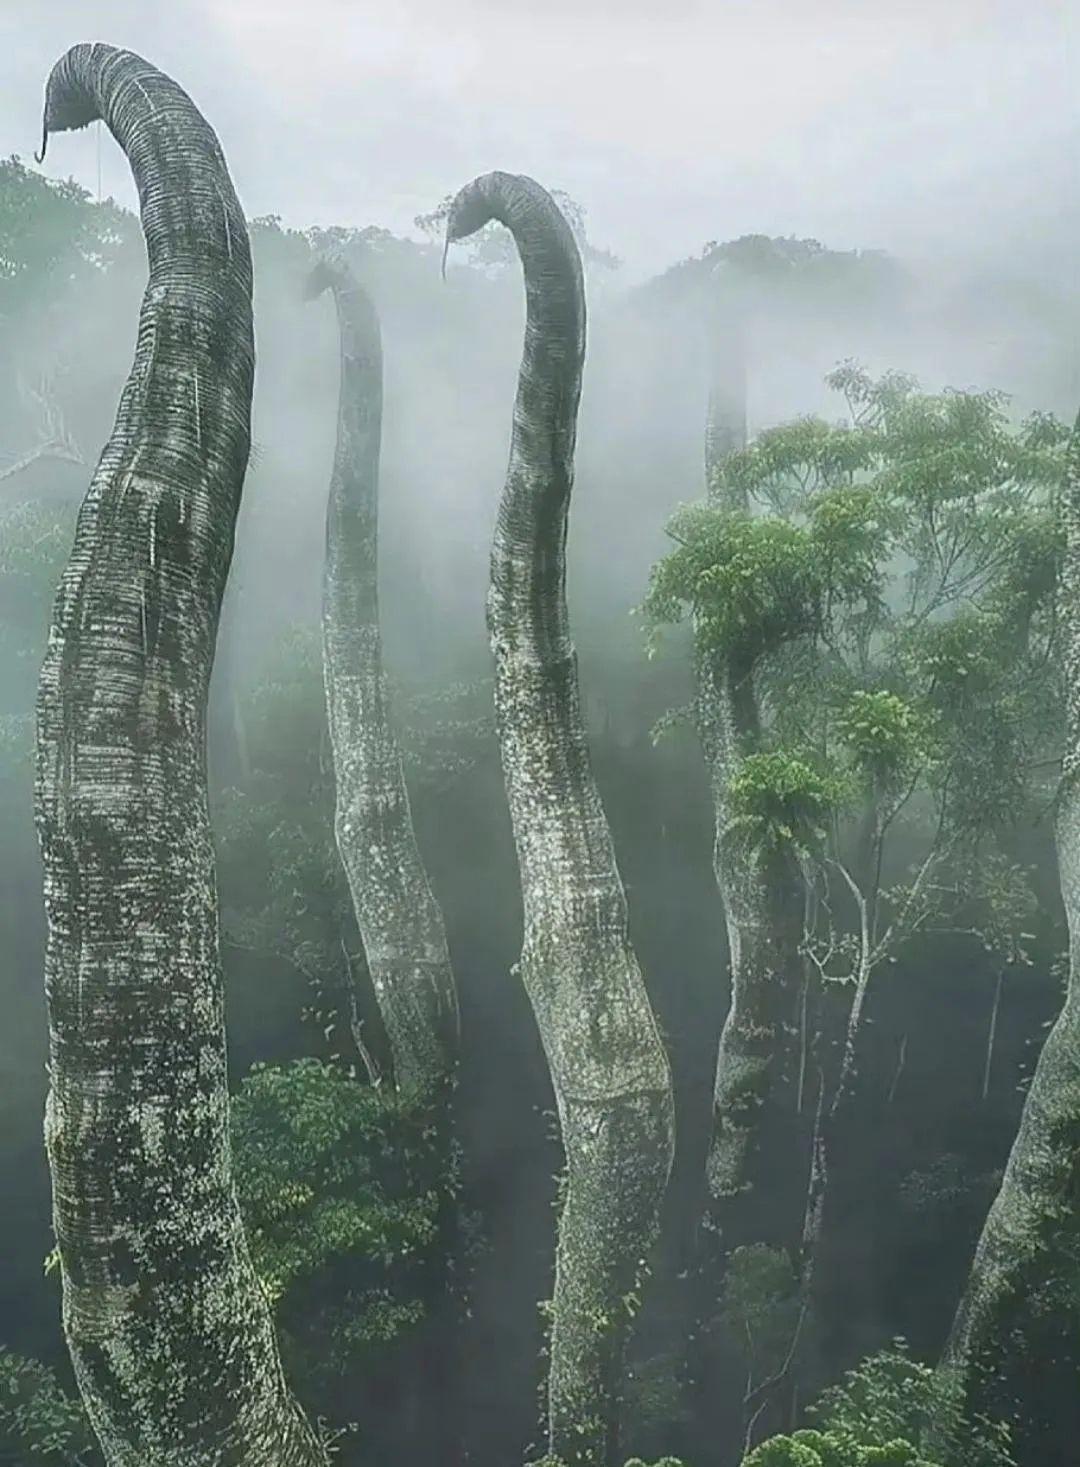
(169, 1332)
(1029, 1236)
(608, 1066)
(398, 917)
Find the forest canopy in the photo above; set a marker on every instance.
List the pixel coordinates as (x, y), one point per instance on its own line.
(624, 1042)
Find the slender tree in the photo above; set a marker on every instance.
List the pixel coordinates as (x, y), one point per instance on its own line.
(756, 1094)
(169, 1331)
(608, 1065)
(398, 917)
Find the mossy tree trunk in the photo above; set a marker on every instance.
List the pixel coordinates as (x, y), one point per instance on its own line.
(608, 1065)
(398, 917)
(169, 1331)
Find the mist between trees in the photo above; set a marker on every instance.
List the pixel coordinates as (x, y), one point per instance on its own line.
(828, 747)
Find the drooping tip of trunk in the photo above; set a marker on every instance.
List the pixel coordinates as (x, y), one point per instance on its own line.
(320, 278)
(513, 199)
(70, 103)
(480, 201)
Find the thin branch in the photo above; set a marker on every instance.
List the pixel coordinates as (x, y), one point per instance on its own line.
(862, 983)
(900, 1060)
(54, 439)
(57, 451)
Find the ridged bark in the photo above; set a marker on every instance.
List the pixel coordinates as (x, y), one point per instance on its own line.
(398, 917)
(170, 1335)
(608, 1066)
(1030, 1234)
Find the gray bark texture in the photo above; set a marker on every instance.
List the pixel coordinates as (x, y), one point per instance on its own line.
(755, 1130)
(608, 1065)
(170, 1335)
(1029, 1244)
(398, 917)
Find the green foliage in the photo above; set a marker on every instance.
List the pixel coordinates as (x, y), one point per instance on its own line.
(778, 797)
(69, 268)
(550, 1461)
(326, 1166)
(876, 1417)
(886, 738)
(758, 1282)
(749, 584)
(884, 587)
(781, 463)
(890, 1397)
(852, 527)
(945, 482)
(825, 1449)
(997, 905)
(41, 1425)
(52, 236)
(959, 657)
(342, 1190)
(752, 584)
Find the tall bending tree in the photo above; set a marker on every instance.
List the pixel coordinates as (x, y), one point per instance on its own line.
(608, 1066)
(169, 1331)
(398, 917)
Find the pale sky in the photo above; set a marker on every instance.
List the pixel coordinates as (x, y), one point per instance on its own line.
(920, 126)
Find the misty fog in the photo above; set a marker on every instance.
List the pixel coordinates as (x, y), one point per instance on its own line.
(894, 186)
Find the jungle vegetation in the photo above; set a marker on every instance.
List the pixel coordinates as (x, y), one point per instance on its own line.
(483, 1024)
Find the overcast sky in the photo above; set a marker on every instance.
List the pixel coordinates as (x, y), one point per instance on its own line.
(919, 126)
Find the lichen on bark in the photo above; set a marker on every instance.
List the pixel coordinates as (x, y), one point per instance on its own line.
(608, 1065)
(399, 919)
(168, 1329)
